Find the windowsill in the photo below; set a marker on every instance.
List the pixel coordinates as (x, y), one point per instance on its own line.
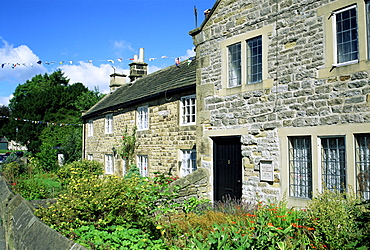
(265, 84)
(343, 68)
(345, 63)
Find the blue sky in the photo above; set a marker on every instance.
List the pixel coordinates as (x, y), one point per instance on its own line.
(88, 33)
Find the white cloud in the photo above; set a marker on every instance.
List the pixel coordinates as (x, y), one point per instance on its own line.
(18, 64)
(90, 75)
(5, 100)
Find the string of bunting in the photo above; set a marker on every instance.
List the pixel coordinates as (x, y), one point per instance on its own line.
(41, 122)
(14, 65)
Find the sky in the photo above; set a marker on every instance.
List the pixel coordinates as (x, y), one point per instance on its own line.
(90, 39)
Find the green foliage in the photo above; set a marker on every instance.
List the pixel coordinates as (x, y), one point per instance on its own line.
(116, 237)
(267, 227)
(128, 146)
(48, 98)
(40, 186)
(12, 171)
(79, 170)
(88, 99)
(334, 216)
(47, 157)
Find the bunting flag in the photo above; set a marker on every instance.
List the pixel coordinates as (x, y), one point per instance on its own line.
(41, 122)
(177, 61)
(14, 65)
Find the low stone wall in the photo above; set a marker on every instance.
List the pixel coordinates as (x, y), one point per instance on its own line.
(23, 230)
(195, 184)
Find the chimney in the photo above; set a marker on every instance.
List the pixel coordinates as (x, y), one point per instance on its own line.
(138, 68)
(206, 13)
(116, 81)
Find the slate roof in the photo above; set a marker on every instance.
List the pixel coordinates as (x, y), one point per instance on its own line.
(168, 80)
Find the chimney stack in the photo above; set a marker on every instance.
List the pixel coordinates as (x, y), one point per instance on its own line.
(206, 13)
(138, 68)
(116, 81)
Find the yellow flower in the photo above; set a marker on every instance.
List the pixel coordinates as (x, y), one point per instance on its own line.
(159, 227)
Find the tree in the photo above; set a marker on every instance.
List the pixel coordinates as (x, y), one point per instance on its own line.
(42, 101)
(4, 120)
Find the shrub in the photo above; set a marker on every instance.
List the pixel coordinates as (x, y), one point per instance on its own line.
(79, 169)
(334, 216)
(116, 237)
(39, 186)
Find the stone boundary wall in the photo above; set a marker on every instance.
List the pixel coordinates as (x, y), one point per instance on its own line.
(23, 230)
(195, 184)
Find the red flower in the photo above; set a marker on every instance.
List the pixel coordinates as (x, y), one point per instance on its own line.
(14, 183)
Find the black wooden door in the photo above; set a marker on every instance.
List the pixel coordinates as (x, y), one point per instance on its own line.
(227, 159)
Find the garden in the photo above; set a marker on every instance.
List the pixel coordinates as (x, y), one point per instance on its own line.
(110, 212)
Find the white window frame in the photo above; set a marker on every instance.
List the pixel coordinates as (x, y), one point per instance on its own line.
(90, 157)
(109, 164)
(142, 164)
(90, 128)
(188, 161)
(109, 124)
(143, 118)
(335, 45)
(188, 110)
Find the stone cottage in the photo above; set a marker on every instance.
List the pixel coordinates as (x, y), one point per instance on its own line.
(283, 98)
(160, 105)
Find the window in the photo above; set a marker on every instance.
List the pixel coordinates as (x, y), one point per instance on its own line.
(333, 163)
(300, 167)
(363, 165)
(254, 60)
(188, 162)
(244, 62)
(109, 164)
(235, 68)
(346, 37)
(188, 110)
(142, 163)
(109, 124)
(90, 128)
(142, 118)
(90, 157)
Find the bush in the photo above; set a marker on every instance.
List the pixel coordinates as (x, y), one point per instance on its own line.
(334, 216)
(116, 237)
(39, 186)
(79, 169)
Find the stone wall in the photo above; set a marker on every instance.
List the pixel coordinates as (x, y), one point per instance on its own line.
(162, 142)
(300, 87)
(23, 230)
(195, 184)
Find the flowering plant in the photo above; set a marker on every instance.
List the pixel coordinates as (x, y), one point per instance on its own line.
(128, 146)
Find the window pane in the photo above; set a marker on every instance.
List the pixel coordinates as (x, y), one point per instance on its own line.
(254, 59)
(234, 65)
(142, 118)
(188, 162)
(334, 163)
(300, 164)
(142, 162)
(346, 30)
(188, 109)
(363, 165)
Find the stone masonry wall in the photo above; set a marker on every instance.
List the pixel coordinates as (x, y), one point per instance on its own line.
(161, 142)
(23, 230)
(306, 90)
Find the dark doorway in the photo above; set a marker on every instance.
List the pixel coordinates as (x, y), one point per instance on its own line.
(227, 160)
